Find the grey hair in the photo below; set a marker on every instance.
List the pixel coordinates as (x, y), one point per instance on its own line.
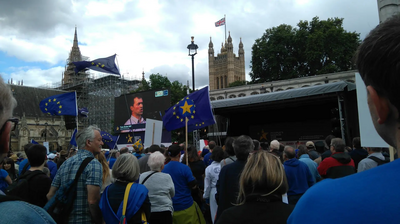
(156, 161)
(243, 145)
(126, 168)
(7, 103)
(85, 134)
(338, 144)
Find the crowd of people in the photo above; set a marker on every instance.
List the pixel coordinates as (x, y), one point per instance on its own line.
(240, 181)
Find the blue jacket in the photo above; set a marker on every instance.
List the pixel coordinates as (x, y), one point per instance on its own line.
(298, 175)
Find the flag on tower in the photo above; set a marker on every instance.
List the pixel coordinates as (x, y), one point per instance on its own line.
(196, 107)
(106, 65)
(220, 22)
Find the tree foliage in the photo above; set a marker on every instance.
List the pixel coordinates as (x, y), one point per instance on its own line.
(237, 83)
(312, 48)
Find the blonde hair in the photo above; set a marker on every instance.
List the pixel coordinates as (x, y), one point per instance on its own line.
(103, 161)
(262, 175)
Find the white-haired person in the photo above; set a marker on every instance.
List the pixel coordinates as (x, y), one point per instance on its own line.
(125, 171)
(261, 186)
(161, 189)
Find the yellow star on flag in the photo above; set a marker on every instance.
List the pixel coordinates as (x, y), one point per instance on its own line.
(45, 109)
(192, 117)
(54, 100)
(58, 102)
(45, 104)
(49, 100)
(186, 108)
(59, 111)
(60, 107)
(181, 120)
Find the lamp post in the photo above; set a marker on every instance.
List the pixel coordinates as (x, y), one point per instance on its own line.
(192, 52)
(45, 134)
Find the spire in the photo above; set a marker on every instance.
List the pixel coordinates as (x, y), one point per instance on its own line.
(210, 45)
(229, 37)
(75, 54)
(143, 75)
(240, 44)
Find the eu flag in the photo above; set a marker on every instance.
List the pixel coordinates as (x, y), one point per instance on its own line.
(108, 139)
(196, 107)
(63, 104)
(73, 139)
(34, 142)
(106, 65)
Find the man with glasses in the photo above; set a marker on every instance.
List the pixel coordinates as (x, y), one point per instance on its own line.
(26, 213)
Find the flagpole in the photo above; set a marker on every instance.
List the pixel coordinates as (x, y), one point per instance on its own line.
(186, 142)
(76, 105)
(225, 25)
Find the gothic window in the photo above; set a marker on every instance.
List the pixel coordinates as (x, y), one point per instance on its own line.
(226, 81)
(222, 82)
(254, 93)
(242, 95)
(220, 98)
(217, 83)
(212, 98)
(232, 96)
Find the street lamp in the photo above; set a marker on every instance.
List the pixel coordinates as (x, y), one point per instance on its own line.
(192, 52)
(45, 134)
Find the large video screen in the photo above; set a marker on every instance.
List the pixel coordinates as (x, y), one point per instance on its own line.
(132, 110)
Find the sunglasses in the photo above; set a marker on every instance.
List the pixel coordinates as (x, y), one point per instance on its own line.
(14, 123)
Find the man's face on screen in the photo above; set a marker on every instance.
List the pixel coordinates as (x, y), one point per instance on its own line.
(137, 108)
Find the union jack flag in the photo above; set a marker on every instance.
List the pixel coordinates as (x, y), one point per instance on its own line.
(220, 22)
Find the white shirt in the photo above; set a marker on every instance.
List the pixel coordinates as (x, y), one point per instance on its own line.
(367, 163)
(134, 120)
(210, 181)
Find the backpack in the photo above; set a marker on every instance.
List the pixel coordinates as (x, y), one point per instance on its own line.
(379, 161)
(20, 187)
(60, 205)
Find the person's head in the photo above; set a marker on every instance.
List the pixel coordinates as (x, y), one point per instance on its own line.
(217, 154)
(114, 153)
(302, 150)
(264, 146)
(320, 146)
(154, 148)
(228, 146)
(46, 171)
(8, 164)
(123, 150)
(328, 140)
(337, 145)
(174, 151)
(371, 150)
(274, 146)
(126, 168)
(357, 143)
(256, 145)
(310, 145)
(156, 161)
(7, 105)
(377, 61)
(37, 155)
(193, 155)
(90, 139)
(262, 175)
(289, 153)
(243, 145)
(211, 145)
(137, 107)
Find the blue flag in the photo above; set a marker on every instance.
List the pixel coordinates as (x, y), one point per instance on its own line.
(34, 142)
(63, 104)
(84, 112)
(106, 65)
(73, 139)
(196, 107)
(109, 139)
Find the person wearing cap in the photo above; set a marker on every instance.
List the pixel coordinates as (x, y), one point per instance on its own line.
(311, 150)
(52, 165)
(186, 209)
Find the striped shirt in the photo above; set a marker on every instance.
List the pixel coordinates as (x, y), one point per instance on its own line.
(92, 175)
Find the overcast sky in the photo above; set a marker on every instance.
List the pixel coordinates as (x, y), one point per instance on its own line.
(36, 36)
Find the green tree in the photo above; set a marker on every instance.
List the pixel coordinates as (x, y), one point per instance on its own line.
(313, 48)
(178, 91)
(158, 81)
(237, 83)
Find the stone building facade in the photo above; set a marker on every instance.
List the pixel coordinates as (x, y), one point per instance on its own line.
(226, 67)
(388, 8)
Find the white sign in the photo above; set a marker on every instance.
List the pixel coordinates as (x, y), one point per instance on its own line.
(46, 144)
(368, 135)
(153, 132)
